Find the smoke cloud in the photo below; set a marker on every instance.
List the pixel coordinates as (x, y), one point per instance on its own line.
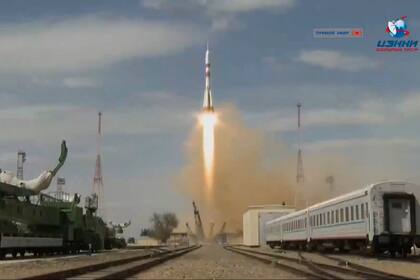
(252, 169)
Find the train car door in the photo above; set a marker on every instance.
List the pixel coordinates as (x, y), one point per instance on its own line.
(399, 214)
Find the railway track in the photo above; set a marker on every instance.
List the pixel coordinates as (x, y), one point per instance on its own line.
(304, 265)
(117, 269)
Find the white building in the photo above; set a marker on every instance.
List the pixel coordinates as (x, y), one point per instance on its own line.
(255, 218)
(146, 241)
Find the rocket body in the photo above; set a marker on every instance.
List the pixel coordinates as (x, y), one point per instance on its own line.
(208, 100)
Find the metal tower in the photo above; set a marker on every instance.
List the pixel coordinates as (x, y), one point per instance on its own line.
(199, 231)
(330, 181)
(211, 231)
(97, 179)
(21, 158)
(300, 178)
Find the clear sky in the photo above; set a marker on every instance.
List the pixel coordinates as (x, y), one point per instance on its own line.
(142, 64)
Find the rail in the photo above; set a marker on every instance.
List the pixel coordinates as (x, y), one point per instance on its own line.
(307, 267)
(117, 269)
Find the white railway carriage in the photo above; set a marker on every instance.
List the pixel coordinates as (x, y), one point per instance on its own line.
(294, 228)
(382, 216)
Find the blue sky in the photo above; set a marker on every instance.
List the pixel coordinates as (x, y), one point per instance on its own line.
(141, 63)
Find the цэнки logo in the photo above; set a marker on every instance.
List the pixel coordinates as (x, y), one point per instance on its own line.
(397, 29)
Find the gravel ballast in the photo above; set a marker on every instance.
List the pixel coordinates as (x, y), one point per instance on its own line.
(214, 262)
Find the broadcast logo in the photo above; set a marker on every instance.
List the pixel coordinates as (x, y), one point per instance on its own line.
(397, 29)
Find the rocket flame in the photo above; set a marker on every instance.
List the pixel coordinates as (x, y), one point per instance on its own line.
(208, 120)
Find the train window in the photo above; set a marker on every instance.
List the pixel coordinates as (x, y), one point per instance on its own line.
(357, 212)
(352, 213)
(317, 220)
(324, 221)
(332, 216)
(328, 218)
(341, 215)
(396, 205)
(347, 214)
(367, 211)
(336, 216)
(306, 220)
(362, 211)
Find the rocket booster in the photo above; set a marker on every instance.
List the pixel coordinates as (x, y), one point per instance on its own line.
(208, 100)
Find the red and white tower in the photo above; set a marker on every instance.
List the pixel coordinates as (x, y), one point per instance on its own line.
(300, 178)
(97, 179)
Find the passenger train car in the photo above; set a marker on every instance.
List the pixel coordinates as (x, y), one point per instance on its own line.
(382, 217)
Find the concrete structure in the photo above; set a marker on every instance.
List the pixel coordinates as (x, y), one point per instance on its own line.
(255, 218)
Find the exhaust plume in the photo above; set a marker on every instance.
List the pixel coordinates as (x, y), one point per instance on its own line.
(251, 169)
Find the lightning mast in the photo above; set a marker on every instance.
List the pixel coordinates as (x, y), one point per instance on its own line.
(97, 179)
(300, 178)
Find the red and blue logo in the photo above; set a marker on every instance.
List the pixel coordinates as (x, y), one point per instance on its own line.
(397, 29)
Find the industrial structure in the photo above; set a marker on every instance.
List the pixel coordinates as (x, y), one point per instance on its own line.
(330, 182)
(21, 158)
(38, 223)
(199, 231)
(210, 236)
(97, 179)
(300, 177)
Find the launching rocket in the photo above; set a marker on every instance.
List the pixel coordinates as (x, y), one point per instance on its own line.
(208, 100)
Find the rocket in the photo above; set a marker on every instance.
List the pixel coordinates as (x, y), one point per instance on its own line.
(208, 100)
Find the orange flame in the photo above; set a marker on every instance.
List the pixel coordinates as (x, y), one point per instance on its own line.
(208, 121)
